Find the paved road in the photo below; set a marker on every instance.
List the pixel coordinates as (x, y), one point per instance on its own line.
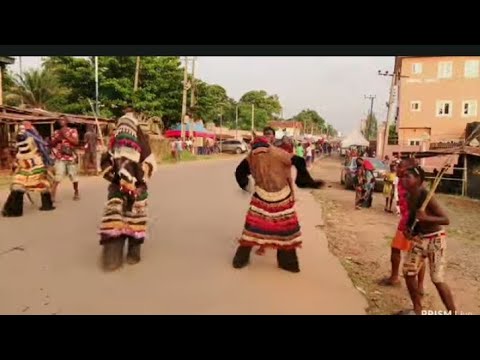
(196, 212)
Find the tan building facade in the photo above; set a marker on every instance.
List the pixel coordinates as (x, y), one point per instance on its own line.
(437, 97)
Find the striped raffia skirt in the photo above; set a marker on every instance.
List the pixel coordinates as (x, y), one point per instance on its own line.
(272, 221)
(124, 217)
(32, 175)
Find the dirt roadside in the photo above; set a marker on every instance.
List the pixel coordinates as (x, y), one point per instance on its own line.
(361, 240)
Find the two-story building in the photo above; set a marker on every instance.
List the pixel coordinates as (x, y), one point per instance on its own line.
(436, 97)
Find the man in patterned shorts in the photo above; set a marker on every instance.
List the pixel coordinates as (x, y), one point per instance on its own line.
(428, 241)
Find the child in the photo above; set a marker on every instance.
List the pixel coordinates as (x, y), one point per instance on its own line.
(388, 188)
(428, 240)
(400, 242)
(300, 150)
(309, 155)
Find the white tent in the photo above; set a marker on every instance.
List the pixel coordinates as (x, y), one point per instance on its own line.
(355, 138)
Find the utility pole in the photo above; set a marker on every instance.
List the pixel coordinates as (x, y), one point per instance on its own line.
(20, 68)
(1, 87)
(192, 94)
(392, 108)
(370, 120)
(221, 124)
(184, 100)
(192, 97)
(96, 86)
(236, 122)
(137, 71)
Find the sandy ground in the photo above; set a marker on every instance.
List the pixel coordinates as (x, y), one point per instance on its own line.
(50, 261)
(361, 239)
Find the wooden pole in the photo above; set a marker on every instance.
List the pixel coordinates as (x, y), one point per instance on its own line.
(192, 92)
(137, 71)
(184, 99)
(465, 177)
(98, 125)
(1, 84)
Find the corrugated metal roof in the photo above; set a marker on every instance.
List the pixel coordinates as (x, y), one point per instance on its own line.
(9, 114)
(460, 150)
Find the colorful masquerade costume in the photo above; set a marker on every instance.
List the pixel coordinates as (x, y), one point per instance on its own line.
(126, 166)
(271, 220)
(30, 171)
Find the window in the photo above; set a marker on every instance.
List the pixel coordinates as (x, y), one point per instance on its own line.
(414, 142)
(444, 108)
(417, 68)
(472, 68)
(469, 108)
(445, 69)
(415, 106)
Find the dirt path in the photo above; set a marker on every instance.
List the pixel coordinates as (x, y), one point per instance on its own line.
(361, 240)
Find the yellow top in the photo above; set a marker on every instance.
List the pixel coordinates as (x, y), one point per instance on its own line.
(388, 186)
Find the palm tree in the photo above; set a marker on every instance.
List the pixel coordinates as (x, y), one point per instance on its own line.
(36, 88)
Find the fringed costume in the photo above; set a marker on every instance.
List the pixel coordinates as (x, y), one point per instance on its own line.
(127, 165)
(31, 172)
(271, 220)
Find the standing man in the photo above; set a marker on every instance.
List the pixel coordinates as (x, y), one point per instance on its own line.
(66, 160)
(429, 241)
(271, 220)
(90, 140)
(179, 148)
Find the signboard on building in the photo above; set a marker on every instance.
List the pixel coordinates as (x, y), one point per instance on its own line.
(392, 111)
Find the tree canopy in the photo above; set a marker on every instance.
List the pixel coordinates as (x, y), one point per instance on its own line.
(266, 107)
(310, 117)
(65, 83)
(370, 130)
(159, 92)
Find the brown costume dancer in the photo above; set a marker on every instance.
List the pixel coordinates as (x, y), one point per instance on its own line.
(271, 219)
(30, 172)
(127, 165)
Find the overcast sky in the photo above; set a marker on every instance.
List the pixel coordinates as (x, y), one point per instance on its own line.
(333, 86)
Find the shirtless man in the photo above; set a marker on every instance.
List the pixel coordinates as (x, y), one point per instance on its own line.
(429, 240)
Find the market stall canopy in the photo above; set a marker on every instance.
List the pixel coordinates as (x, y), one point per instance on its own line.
(355, 138)
(198, 131)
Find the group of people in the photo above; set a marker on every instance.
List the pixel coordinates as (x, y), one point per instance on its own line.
(364, 183)
(306, 151)
(197, 146)
(271, 220)
(420, 233)
(127, 164)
